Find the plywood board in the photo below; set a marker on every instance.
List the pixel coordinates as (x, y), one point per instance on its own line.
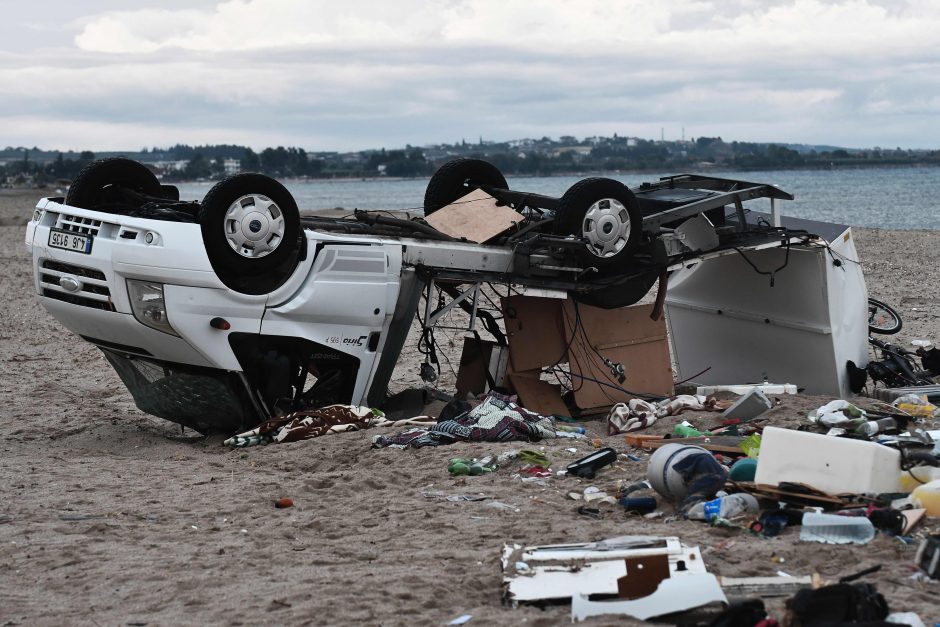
(624, 336)
(475, 217)
(535, 332)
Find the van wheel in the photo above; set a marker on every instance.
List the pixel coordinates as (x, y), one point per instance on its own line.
(99, 184)
(605, 214)
(251, 230)
(457, 178)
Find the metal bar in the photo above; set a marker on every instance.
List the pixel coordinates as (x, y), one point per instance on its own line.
(697, 181)
(523, 198)
(712, 202)
(431, 319)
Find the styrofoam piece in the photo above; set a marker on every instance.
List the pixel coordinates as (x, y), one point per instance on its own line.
(833, 465)
(766, 388)
(750, 405)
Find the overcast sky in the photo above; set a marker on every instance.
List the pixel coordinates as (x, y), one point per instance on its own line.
(354, 74)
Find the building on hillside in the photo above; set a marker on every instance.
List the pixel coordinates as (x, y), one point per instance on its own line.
(232, 166)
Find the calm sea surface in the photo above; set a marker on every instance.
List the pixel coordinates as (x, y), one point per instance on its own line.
(894, 198)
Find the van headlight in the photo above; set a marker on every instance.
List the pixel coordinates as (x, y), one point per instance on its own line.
(149, 306)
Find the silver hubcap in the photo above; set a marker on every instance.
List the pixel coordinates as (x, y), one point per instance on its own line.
(254, 226)
(606, 227)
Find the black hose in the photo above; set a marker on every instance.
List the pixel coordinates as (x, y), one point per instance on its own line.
(430, 231)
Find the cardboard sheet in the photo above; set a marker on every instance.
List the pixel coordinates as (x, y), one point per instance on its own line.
(475, 217)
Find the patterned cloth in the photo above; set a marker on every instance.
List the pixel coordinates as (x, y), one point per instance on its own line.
(638, 414)
(497, 419)
(312, 423)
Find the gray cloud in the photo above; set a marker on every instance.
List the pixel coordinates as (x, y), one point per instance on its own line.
(328, 76)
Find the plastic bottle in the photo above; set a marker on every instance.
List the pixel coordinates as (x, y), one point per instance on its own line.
(872, 427)
(639, 504)
(834, 529)
(726, 507)
(928, 496)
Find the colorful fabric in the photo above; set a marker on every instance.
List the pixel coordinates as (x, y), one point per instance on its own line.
(497, 419)
(313, 423)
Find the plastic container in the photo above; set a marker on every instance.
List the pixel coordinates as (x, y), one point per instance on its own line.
(743, 469)
(834, 529)
(660, 473)
(928, 496)
(750, 405)
(918, 476)
(766, 388)
(873, 427)
(833, 465)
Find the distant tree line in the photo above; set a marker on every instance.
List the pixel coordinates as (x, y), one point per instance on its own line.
(543, 156)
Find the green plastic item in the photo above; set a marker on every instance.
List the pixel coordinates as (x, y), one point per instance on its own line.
(751, 445)
(688, 431)
(536, 458)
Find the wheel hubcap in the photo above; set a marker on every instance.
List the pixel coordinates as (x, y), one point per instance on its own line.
(606, 227)
(254, 226)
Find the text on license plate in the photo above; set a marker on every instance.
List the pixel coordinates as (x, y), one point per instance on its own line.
(70, 241)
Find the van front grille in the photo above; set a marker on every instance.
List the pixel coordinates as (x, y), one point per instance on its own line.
(93, 290)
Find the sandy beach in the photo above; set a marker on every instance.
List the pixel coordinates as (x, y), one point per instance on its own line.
(110, 516)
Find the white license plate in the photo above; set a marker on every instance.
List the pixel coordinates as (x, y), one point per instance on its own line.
(70, 241)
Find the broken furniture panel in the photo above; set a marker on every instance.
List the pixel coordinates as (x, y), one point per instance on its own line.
(534, 330)
(624, 337)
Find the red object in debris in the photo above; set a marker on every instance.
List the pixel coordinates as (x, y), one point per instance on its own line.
(282, 503)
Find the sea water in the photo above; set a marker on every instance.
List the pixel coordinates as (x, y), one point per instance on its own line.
(891, 198)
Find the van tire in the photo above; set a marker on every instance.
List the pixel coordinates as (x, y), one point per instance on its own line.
(604, 213)
(251, 230)
(457, 178)
(90, 189)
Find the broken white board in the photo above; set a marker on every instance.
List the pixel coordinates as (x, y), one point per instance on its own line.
(674, 594)
(559, 571)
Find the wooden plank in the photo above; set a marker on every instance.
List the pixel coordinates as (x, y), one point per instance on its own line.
(715, 443)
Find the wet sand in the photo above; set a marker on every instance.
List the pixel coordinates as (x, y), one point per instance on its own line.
(110, 516)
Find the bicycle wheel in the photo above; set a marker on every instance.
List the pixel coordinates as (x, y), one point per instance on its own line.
(882, 318)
